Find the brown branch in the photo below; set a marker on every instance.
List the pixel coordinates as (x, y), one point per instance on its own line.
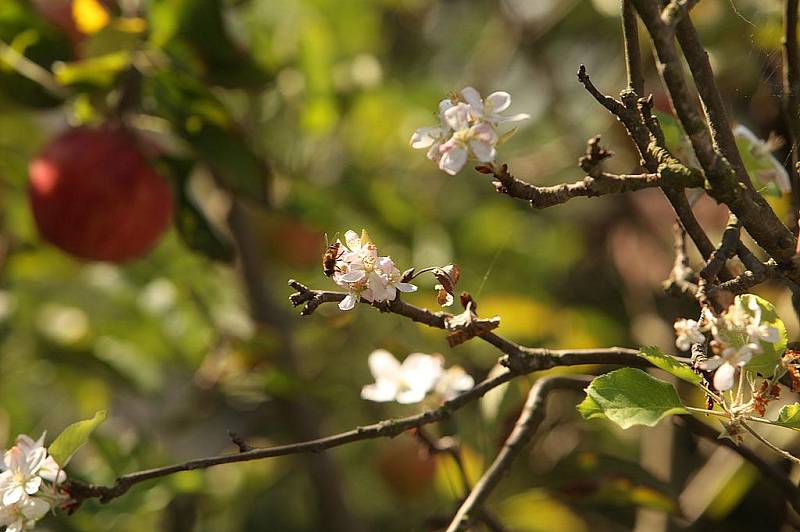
(676, 10)
(791, 94)
(728, 182)
(530, 419)
(601, 184)
(630, 34)
(388, 428)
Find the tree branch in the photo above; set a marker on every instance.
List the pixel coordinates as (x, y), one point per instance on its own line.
(529, 420)
(791, 94)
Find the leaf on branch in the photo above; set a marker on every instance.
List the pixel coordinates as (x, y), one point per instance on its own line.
(670, 364)
(630, 397)
(74, 437)
(770, 358)
(789, 417)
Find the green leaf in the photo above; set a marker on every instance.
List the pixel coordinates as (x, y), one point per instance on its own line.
(631, 397)
(670, 364)
(204, 122)
(194, 228)
(74, 437)
(789, 417)
(769, 360)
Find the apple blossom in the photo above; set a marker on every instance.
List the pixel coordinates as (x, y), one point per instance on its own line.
(27, 471)
(489, 110)
(467, 129)
(405, 383)
(24, 514)
(410, 381)
(453, 382)
(366, 275)
(737, 334)
(688, 332)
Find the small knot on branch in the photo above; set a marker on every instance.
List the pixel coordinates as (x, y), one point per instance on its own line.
(239, 442)
(304, 295)
(595, 154)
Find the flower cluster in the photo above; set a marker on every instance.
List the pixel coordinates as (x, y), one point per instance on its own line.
(409, 382)
(28, 484)
(467, 128)
(365, 274)
(737, 335)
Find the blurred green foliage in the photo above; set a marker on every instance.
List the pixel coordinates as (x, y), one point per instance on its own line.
(303, 110)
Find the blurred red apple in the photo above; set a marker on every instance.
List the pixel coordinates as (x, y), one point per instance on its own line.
(405, 466)
(95, 195)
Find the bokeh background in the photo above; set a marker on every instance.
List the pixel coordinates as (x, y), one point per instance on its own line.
(180, 348)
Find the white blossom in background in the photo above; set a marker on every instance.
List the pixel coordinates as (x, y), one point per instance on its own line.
(405, 383)
(413, 379)
(688, 332)
(365, 274)
(28, 484)
(769, 168)
(467, 129)
(453, 382)
(737, 334)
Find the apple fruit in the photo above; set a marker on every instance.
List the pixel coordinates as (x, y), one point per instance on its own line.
(95, 195)
(405, 466)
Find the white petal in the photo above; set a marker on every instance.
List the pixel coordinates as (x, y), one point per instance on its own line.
(457, 117)
(13, 495)
(383, 365)
(434, 154)
(379, 392)
(411, 396)
(711, 364)
(781, 177)
(444, 105)
(353, 240)
(497, 102)
(406, 287)
(482, 151)
(353, 276)
(35, 508)
(348, 302)
(453, 160)
(421, 371)
(723, 378)
(424, 137)
(513, 118)
(473, 98)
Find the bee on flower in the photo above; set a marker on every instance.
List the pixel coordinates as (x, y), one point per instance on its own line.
(467, 129)
(364, 274)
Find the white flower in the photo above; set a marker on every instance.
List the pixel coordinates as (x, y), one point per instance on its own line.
(770, 168)
(364, 274)
(467, 128)
(433, 137)
(727, 363)
(477, 139)
(757, 331)
(453, 382)
(688, 332)
(405, 383)
(49, 470)
(489, 110)
(24, 514)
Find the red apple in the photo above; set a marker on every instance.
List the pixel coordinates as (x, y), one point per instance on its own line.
(95, 195)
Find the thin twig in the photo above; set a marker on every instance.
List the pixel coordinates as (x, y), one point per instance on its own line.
(32, 71)
(762, 439)
(779, 478)
(529, 420)
(630, 33)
